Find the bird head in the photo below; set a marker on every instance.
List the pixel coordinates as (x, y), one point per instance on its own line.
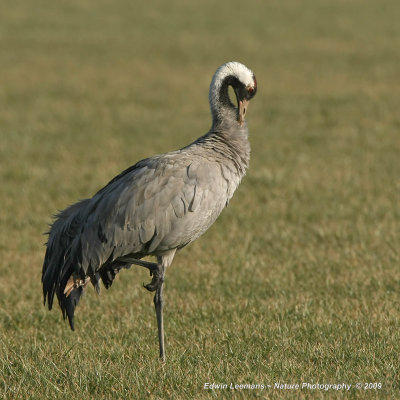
(244, 84)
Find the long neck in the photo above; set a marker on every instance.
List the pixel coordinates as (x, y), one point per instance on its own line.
(228, 146)
(222, 110)
(236, 147)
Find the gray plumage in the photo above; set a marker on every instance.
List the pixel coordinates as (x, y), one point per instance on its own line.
(153, 208)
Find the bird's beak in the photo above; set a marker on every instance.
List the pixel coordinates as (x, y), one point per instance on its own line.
(243, 104)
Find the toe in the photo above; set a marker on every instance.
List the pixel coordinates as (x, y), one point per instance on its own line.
(150, 287)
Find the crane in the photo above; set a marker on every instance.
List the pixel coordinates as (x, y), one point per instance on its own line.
(154, 208)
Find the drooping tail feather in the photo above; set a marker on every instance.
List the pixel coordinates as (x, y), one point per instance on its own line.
(69, 266)
(62, 259)
(68, 304)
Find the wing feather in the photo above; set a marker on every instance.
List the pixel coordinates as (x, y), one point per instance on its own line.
(152, 207)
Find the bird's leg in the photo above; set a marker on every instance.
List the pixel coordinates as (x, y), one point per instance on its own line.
(158, 304)
(157, 270)
(151, 266)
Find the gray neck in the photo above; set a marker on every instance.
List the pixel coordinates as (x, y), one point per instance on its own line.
(222, 109)
(227, 144)
(237, 146)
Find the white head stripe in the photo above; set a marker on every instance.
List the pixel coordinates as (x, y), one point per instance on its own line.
(233, 68)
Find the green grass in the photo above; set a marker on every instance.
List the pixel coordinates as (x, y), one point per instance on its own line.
(298, 281)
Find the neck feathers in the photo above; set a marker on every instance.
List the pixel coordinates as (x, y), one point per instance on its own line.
(220, 104)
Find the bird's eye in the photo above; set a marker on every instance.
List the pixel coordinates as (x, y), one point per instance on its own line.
(250, 90)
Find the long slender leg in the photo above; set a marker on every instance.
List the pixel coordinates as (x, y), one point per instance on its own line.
(156, 284)
(149, 265)
(158, 304)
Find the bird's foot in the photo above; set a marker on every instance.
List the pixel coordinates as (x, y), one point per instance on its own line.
(156, 281)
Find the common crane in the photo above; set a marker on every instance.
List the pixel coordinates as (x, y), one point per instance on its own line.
(155, 207)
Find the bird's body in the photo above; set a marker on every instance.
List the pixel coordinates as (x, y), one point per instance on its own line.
(154, 208)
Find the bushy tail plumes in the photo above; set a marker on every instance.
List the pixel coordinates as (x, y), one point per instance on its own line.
(61, 261)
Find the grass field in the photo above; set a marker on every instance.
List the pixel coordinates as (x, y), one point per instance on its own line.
(299, 279)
